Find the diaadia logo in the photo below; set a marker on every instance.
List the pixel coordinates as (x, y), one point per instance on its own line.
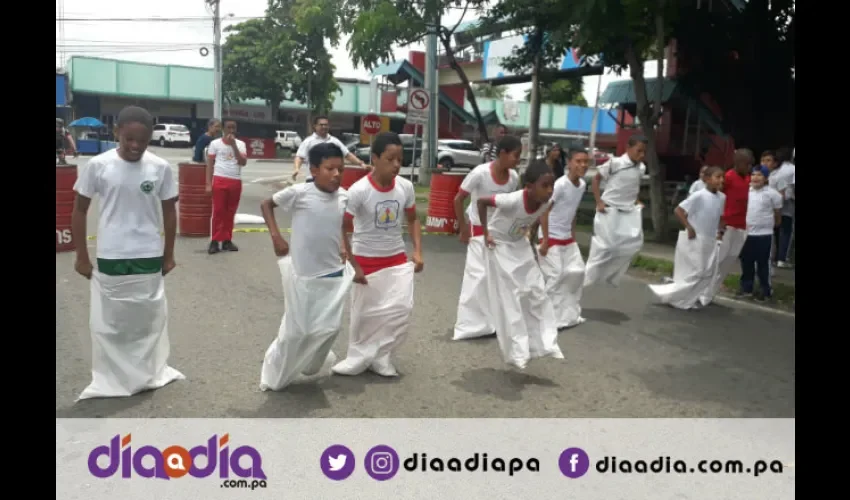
(176, 461)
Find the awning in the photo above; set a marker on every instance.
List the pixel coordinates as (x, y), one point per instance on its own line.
(623, 93)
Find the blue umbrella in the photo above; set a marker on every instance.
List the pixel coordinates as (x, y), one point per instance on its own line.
(86, 122)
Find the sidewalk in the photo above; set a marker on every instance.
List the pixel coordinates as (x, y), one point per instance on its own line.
(665, 252)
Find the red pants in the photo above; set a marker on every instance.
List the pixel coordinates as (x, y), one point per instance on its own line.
(225, 201)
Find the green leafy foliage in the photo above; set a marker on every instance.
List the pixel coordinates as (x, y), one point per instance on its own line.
(568, 92)
(283, 56)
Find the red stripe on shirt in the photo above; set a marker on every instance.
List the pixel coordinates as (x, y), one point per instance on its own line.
(374, 264)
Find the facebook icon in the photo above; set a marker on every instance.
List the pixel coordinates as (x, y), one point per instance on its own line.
(574, 463)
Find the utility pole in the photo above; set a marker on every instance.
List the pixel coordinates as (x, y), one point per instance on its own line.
(430, 132)
(217, 90)
(595, 121)
(534, 99)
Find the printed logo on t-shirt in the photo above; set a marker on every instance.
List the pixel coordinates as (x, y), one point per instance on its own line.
(519, 229)
(146, 187)
(386, 214)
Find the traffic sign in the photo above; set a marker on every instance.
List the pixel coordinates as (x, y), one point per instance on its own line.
(418, 103)
(371, 125)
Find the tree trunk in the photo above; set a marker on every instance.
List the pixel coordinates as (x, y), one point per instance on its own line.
(470, 95)
(534, 99)
(657, 200)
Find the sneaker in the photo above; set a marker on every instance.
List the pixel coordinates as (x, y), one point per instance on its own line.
(228, 246)
(213, 248)
(743, 295)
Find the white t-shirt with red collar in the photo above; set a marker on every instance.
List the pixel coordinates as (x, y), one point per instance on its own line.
(566, 198)
(378, 215)
(512, 218)
(480, 183)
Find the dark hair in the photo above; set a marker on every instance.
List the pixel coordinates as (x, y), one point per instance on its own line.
(535, 170)
(508, 144)
(383, 140)
(574, 150)
(745, 154)
(323, 151)
(770, 153)
(212, 122)
(783, 154)
(228, 120)
(317, 118)
(710, 171)
(502, 126)
(637, 139)
(135, 114)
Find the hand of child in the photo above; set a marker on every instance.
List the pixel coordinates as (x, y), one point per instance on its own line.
(691, 233)
(465, 234)
(418, 263)
(343, 255)
(168, 265)
(281, 247)
(490, 242)
(600, 207)
(359, 277)
(544, 248)
(84, 268)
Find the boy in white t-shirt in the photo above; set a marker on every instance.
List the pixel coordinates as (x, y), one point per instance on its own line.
(763, 215)
(560, 258)
(315, 281)
(695, 261)
(129, 313)
(225, 158)
(522, 312)
(484, 181)
(382, 297)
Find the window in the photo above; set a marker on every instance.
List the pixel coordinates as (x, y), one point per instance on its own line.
(179, 128)
(159, 127)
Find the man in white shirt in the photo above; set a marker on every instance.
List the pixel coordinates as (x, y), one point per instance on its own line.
(618, 224)
(485, 180)
(128, 314)
(763, 214)
(382, 297)
(560, 258)
(320, 135)
(782, 179)
(315, 277)
(225, 158)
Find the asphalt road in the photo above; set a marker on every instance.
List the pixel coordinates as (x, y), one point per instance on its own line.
(632, 358)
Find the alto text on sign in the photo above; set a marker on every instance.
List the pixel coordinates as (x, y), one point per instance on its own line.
(371, 124)
(418, 104)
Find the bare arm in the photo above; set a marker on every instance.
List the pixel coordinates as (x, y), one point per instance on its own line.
(777, 218)
(240, 158)
(544, 225)
(354, 159)
(78, 227)
(169, 223)
(595, 187)
(210, 168)
(682, 215)
(458, 205)
(267, 207)
(483, 205)
(414, 228)
(346, 243)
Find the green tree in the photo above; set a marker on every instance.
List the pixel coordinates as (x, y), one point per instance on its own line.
(376, 27)
(569, 92)
(488, 91)
(275, 59)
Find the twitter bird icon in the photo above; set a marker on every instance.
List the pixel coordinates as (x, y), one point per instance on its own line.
(337, 462)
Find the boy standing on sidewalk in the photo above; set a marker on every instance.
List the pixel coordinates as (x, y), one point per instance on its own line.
(225, 158)
(763, 214)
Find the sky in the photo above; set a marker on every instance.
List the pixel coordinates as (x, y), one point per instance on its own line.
(123, 30)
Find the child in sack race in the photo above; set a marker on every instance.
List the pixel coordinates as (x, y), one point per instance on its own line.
(315, 276)
(382, 295)
(129, 311)
(522, 312)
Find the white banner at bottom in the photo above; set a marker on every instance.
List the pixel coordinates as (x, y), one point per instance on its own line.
(611, 459)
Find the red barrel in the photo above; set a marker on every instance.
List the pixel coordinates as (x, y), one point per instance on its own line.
(194, 205)
(66, 177)
(441, 202)
(351, 175)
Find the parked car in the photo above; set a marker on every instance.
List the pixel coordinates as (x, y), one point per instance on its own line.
(171, 134)
(287, 140)
(454, 153)
(365, 152)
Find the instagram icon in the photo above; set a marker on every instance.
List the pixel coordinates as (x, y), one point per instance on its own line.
(381, 463)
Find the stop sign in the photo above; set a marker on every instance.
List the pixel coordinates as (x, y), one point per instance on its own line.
(371, 124)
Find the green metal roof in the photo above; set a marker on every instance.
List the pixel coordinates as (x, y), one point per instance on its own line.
(623, 92)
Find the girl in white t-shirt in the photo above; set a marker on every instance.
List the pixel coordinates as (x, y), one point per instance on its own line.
(763, 215)
(315, 278)
(695, 261)
(560, 258)
(522, 312)
(382, 297)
